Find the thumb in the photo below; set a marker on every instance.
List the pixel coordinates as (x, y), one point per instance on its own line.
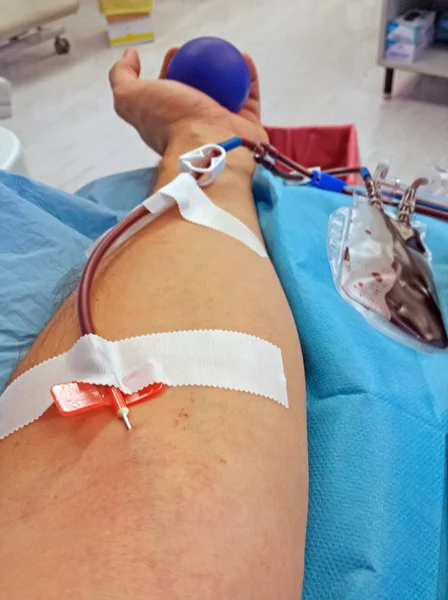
(125, 71)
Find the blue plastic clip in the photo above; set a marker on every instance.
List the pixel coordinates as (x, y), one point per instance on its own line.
(323, 181)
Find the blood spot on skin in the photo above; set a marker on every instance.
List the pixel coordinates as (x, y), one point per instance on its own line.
(378, 277)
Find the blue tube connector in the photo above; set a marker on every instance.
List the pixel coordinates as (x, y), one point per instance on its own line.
(326, 182)
(364, 172)
(231, 144)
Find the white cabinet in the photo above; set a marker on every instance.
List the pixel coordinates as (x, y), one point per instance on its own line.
(435, 59)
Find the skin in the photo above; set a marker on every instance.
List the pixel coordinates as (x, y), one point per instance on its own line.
(206, 498)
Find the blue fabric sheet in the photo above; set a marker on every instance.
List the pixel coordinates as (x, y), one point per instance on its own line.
(377, 411)
(377, 420)
(43, 236)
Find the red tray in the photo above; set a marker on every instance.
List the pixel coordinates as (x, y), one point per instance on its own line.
(327, 147)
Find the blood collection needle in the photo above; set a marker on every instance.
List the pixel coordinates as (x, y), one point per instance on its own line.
(127, 421)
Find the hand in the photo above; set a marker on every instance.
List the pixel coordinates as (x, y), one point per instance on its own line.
(158, 108)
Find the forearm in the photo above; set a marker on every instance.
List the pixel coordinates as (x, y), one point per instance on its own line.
(206, 498)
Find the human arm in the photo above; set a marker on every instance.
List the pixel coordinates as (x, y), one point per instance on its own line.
(208, 505)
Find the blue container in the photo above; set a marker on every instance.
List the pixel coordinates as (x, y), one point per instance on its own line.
(442, 28)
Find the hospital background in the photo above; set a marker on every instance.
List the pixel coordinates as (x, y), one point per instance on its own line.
(377, 417)
(317, 63)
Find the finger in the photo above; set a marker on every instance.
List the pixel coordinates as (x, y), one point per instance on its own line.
(166, 62)
(125, 71)
(254, 94)
(254, 79)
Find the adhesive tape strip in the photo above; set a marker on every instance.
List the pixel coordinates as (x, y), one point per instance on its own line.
(194, 206)
(212, 358)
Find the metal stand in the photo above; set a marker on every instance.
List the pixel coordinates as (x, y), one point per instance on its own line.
(36, 36)
(5, 99)
(388, 82)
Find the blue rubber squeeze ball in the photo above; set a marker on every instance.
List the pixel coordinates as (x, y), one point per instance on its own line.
(214, 67)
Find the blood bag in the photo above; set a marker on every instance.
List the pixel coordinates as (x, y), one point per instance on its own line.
(381, 266)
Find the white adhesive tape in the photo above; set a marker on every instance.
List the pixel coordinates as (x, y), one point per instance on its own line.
(212, 358)
(194, 206)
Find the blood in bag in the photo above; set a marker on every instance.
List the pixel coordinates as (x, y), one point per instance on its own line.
(382, 267)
